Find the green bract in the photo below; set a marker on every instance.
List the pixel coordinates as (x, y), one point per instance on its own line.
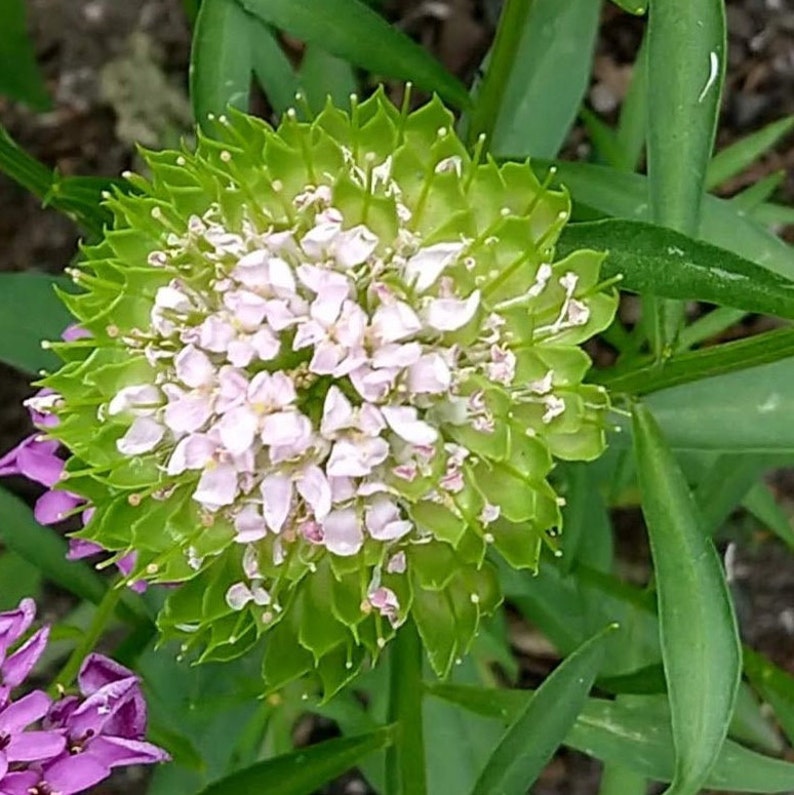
(328, 366)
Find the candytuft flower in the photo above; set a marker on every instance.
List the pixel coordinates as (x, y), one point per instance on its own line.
(328, 367)
(65, 747)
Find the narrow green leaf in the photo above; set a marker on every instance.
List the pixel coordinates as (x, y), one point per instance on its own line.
(272, 67)
(20, 78)
(540, 728)
(709, 325)
(756, 418)
(624, 195)
(30, 312)
(636, 738)
(353, 31)
(774, 215)
(690, 37)
(221, 59)
(620, 780)
(19, 579)
(761, 503)
(604, 140)
(77, 197)
(725, 485)
(405, 759)
(501, 60)
(637, 7)
(323, 75)
(695, 366)
(757, 194)
(46, 550)
(633, 122)
(775, 685)
(683, 109)
(697, 625)
(738, 156)
(549, 77)
(304, 771)
(658, 261)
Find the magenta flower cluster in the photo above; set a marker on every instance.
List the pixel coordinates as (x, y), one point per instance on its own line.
(63, 747)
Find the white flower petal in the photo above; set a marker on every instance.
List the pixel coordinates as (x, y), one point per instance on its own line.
(342, 532)
(404, 421)
(423, 268)
(142, 436)
(217, 486)
(450, 314)
(277, 495)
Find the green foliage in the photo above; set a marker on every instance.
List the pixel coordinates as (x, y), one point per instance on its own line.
(20, 78)
(715, 417)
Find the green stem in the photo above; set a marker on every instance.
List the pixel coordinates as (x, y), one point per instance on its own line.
(405, 759)
(102, 617)
(488, 103)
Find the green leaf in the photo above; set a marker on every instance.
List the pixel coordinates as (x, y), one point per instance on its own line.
(19, 579)
(272, 67)
(775, 686)
(757, 417)
(302, 772)
(633, 122)
(323, 76)
(77, 197)
(405, 759)
(540, 728)
(637, 7)
(684, 104)
(659, 261)
(695, 366)
(351, 30)
(46, 550)
(697, 625)
(620, 780)
(624, 195)
(738, 156)
(761, 503)
(20, 77)
(548, 79)
(771, 214)
(683, 108)
(709, 325)
(637, 738)
(30, 312)
(221, 59)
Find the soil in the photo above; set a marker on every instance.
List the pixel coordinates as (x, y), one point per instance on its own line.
(117, 72)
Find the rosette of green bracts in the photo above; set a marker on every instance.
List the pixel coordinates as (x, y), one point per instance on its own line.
(324, 374)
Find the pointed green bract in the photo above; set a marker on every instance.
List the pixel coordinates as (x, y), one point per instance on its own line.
(344, 485)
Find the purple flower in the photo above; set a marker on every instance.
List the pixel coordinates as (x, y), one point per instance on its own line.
(19, 745)
(106, 728)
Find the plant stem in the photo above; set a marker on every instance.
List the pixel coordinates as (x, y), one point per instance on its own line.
(102, 618)
(500, 66)
(405, 758)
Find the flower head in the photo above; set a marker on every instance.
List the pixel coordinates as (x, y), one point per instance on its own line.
(71, 745)
(328, 366)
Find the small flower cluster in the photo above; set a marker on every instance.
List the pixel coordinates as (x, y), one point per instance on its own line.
(80, 739)
(38, 459)
(323, 369)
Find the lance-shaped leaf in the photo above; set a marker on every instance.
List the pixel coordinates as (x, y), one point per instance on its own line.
(351, 30)
(302, 772)
(697, 625)
(540, 728)
(658, 261)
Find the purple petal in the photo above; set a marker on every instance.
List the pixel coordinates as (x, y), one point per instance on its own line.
(98, 671)
(14, 624)
(74, 774)
(118, 751)
(25, 711)
(35, 746)
(17, 667)
(38, 462)
(101, 707)
(19, 783)
(54, 506)
(81, 548)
